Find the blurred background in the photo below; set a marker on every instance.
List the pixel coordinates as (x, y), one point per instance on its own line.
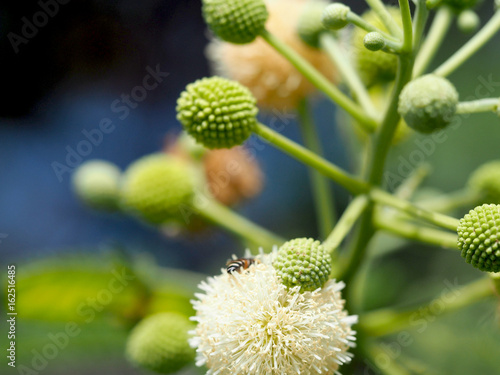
(62, 81)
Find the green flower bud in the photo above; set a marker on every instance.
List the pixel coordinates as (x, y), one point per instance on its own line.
(96, 183)
(486, 181)
(335, 16)
(303, 262)
(160, 343)
(217, 112)
(157, 186)
(375, 66)
(428, 103)
(374, 41)
(468, 21)
(479, 237)
(310, 27)
(235, 21)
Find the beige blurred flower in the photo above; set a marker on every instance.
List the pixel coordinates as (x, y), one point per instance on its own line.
(232, 175)
(271, 78)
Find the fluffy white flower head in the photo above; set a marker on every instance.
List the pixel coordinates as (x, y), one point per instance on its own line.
(250, 323)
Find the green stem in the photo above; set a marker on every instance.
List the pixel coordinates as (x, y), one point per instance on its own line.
(384, 15)
(375, 170)
(451, 201)
(407, 26)
(392, 47)
(347, 220)
(309, 158)
(388, 321)
(349, 74)
(322, 194)
(411, 184)
(421, 15)
(384, 135)
(319, 81)
(350, 182)
(435, 218)
(219, 214)
(478, 106)
(415, 232)
(362, 24)
(437, 32)
(471, 47)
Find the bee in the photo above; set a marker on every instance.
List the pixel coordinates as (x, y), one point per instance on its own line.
(237, 265)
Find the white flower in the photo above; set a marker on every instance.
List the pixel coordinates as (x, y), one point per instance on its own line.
(250, 323)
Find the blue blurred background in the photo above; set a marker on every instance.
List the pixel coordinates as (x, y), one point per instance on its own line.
(63, 82)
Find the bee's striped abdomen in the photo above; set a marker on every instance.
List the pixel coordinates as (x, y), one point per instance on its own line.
(238, 265)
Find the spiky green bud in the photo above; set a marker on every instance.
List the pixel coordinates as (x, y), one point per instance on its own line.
(428, 103)
(335, 16)
(375, 66)
(156, 187)
(374, 41)
(309, 26)
(217, 112)
(479, 237)
(303, 262)
(468, 21)
(485, 181)
(96, 183)
(160, 343)
(235, 21)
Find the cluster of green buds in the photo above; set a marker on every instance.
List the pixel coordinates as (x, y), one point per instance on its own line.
(387, 53)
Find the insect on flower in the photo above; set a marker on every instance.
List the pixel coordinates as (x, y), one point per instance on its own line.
(237, 265)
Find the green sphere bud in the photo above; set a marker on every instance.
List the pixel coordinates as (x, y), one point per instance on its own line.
(428, 103)
(303, 262)
(235, 21)
(335, 16)
(374, 41)
(374, 66)
(217, 112)
(159, 343)
(479, 237)
(486, 181)
(97, 184)
(157, 186)
(310, 27)
(468, 21)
